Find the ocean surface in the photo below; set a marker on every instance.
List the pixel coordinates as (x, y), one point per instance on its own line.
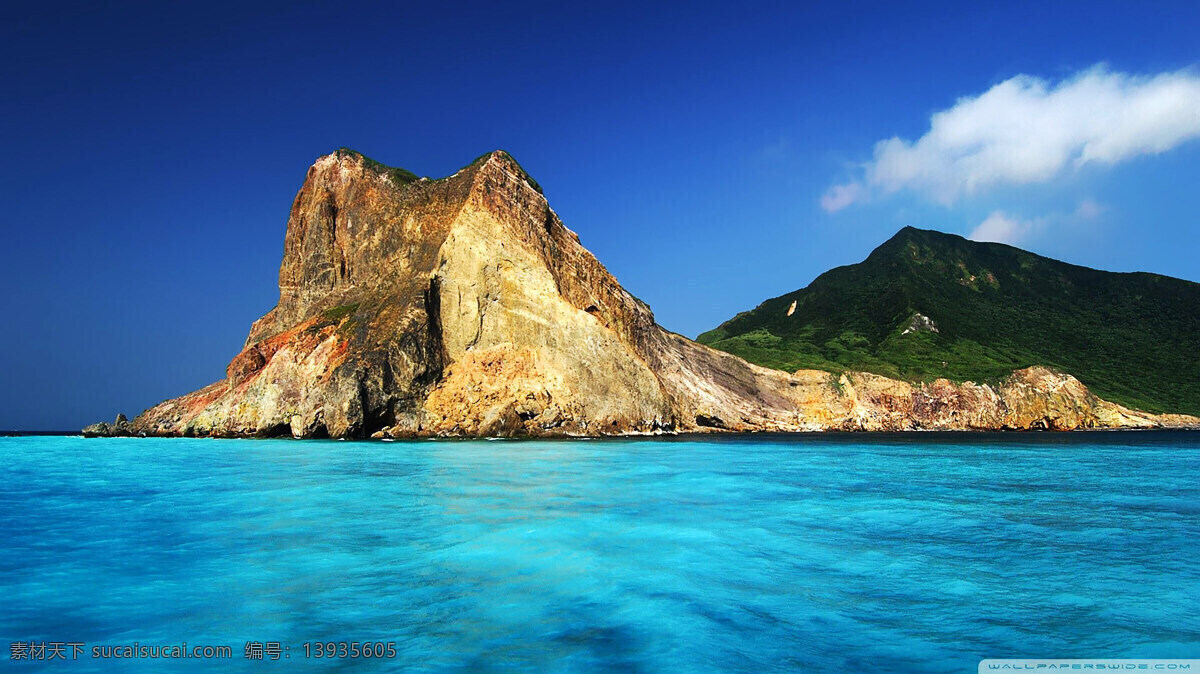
(819, 553)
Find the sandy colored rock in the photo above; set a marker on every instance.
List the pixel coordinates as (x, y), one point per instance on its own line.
(464, 306)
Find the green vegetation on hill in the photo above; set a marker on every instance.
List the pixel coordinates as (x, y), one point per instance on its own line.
(404, 176)
(1132, 338)
(397, 174)
(345, 317)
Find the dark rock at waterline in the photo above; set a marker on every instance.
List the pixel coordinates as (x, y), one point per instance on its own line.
(119, 428)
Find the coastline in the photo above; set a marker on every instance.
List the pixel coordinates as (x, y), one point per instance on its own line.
(936, 434)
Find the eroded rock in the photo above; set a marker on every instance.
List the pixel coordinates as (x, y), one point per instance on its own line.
(464, 306)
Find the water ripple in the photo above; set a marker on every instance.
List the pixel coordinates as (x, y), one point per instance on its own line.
(837, 552)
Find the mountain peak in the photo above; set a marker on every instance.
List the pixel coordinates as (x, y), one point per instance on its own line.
(459, 306)
(349, 162)
(997, 308)
(347, 158)
(908, 233)
(506, 161)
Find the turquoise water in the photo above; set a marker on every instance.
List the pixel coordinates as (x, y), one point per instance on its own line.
(826, 553)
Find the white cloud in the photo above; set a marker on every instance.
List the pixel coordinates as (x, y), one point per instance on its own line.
(1027, 130)
(841, 196)
(1000, 227)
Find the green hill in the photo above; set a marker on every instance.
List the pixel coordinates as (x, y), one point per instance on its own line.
(1132, 338)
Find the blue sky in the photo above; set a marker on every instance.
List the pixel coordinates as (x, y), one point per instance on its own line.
(153, 151)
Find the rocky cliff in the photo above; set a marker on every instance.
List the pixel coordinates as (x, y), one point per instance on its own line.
(464, 306)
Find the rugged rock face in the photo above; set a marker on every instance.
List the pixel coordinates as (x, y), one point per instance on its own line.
(919, 323)
(463, 306)
(1033, 398)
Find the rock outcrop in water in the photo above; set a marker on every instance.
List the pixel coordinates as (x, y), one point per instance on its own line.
(464, 306)
(120, 427)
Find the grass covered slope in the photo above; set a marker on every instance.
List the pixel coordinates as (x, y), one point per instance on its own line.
(1132, 338)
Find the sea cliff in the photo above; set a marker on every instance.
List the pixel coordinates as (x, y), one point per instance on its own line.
(464, 307)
